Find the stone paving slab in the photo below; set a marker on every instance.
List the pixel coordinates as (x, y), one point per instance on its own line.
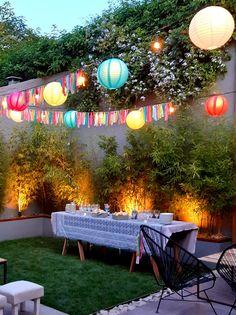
(44, 310)
(148, 305)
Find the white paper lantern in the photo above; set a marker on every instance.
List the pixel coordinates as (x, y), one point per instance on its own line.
(16, 116)
(211, 27)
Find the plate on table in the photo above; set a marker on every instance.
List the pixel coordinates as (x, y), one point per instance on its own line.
(120, 217)
(161, 222)
(99, 214)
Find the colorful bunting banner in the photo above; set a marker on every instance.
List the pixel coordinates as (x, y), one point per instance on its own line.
(92, 119)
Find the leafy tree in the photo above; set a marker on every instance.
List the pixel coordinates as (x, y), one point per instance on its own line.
(195, 157)
(46, 166)
(179, 72)
(109, 175)
(12, 28)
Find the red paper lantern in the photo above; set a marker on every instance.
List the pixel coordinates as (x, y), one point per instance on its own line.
(16, 101)
(216, 105)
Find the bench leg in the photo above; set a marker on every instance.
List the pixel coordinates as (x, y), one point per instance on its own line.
(36, 306)
(14, 310)
(23, 306)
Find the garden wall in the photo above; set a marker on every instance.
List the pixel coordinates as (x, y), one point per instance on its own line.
(11, 229)
(89, 136)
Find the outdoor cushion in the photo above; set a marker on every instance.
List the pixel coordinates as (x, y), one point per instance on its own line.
(20, 291)
(3, 301)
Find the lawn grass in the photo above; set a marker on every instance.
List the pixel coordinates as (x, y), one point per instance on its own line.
(71, 286)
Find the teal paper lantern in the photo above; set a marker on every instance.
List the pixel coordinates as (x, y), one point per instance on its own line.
(112, 73)
(70, 119)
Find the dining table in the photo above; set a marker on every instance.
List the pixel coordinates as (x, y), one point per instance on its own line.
(120, 234)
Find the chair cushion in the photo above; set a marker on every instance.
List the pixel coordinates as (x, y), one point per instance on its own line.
(3, 301)
(20, 291)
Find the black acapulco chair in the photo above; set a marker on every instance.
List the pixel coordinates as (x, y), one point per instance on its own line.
(226, 267)
(178, 269)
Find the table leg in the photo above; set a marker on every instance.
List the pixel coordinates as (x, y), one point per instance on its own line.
(64, 247)
(81, 251)
(177, 258)
(155, 268)
(132, 264)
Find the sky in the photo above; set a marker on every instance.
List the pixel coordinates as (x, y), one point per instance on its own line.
(66, 14)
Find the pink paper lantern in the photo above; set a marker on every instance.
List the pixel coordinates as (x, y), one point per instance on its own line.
(16, 101)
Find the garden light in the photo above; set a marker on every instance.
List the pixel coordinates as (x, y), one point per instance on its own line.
(53, 94)
(211, 27)
(112, 73)
(135, 119)
(80, 78)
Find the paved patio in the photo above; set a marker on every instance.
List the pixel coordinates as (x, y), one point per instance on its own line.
(44, 310)
(221, 292)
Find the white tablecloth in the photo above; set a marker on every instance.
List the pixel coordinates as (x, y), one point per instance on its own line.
(121, 234)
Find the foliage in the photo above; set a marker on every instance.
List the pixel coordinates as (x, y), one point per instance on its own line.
(13, 29)
(195, 157)
(179, 72)
(190, 156)
(3, 169)
(109, 175)
(46, 166)
(81, 286)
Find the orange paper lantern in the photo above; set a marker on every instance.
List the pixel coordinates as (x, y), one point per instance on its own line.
(216, 105)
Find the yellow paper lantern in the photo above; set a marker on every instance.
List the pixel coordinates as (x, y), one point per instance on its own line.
(53, 94)
(135, 119)
(211, 27)
(16, 116)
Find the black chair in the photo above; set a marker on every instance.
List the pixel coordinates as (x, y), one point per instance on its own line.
(175, 268)
(226, 267)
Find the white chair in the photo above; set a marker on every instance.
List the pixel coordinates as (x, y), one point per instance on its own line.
(3, 302)
(18, 292)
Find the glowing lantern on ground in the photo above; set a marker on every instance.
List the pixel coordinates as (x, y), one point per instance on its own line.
(135, 119)
(216, 105)
(16, 116)
(211, 27)
(53, 94)
(112, 73)
(70, 119)
(16, 101)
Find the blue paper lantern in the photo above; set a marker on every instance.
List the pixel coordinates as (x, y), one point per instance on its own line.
(112, 73)
(70, 119)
